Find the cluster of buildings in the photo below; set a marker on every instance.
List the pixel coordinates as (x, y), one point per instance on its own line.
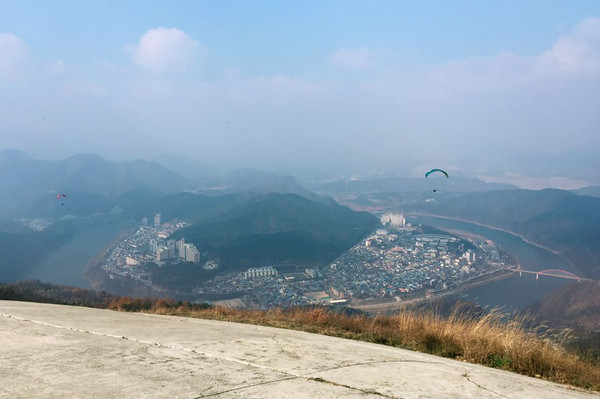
(149, 244)
(267, 291)
(171, 249)
(399, 262)
(392, 263)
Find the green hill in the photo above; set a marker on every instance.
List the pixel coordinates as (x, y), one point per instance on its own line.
(185, 206)
(280, 229)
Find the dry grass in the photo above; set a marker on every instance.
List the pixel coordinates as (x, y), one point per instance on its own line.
(493, 339)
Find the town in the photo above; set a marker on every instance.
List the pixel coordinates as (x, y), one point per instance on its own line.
(149, 244)
(396, 262)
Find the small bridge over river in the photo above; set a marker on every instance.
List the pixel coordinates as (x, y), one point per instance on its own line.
(551, 273)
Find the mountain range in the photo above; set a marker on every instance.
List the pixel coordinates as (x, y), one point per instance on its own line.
(250, 217)
(407, 185)
(93, 184)
(30, 186)
(256, 182)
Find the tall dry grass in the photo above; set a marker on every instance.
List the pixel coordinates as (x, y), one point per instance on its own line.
(493, 339)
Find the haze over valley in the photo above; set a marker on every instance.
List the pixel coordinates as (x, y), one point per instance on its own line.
(236, 221)
(343, 167)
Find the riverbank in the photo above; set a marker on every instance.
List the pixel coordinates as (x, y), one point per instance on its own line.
(93, 272)
(526, 240)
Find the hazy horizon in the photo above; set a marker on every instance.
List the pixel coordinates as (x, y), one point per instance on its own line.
(262, 84)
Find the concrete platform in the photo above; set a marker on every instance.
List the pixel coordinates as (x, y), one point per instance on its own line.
(52, 351)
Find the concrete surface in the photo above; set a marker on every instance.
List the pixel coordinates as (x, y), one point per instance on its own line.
(53, 351)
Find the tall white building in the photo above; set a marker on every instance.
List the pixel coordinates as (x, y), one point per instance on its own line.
(162, 254)
(191, 253)
(393, 219)
(157, 219)
(181, 248)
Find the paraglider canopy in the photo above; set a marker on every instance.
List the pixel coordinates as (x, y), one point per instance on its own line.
(436, 170)
(59, 195)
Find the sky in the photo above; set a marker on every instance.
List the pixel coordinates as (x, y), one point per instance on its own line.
(300, 82)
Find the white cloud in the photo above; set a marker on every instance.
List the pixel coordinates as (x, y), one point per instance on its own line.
(577, 52)
(374, 103)
(165, 50)
(574, 57)
(359, 58)
(13, 53)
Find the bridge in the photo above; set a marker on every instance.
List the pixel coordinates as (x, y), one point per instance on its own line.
(551, 273)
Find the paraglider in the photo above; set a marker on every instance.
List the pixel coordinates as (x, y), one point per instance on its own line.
(436, 170)
(59, 195)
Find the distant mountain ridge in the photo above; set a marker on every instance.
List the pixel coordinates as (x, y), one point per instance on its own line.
(258, 182)
(28, 182)
(593, 191)
(98, 185)
(408, 184)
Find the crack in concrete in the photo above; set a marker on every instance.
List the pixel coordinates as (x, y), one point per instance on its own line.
(319, 379)
(244, 387)
(377, 362)
(282, 348)
(484, 388)
(207, 354)
(278, 343)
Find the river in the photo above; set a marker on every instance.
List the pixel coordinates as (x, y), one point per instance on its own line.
(514, 292)
(67, 263)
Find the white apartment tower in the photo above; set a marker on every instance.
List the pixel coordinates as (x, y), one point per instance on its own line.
(393, 219)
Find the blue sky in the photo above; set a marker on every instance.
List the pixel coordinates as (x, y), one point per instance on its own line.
(273, 36)
(281, 80)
